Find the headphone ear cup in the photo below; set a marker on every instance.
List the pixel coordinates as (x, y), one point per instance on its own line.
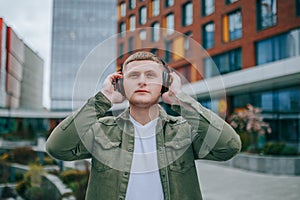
(120, 86)
(166, 82)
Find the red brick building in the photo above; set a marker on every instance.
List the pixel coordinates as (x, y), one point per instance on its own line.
(253, 44)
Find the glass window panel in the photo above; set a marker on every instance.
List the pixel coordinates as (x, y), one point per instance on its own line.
(298, 7)
(132, 23)
(289, 130)
(169, 3)
(267, 15)
(208, 7)
(122, 29)
(143, 15)
(155, 7)
(187, 14)
(132, 4)
(170, 24)
(289, 100)
(267, 101)
(276, 48)
(155, 32)
(210, 68)
(143, 35)
(235, 25)
(208, 35)
(231, 1)
(123, 9)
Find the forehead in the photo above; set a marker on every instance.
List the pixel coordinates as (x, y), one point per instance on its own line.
(143, 65)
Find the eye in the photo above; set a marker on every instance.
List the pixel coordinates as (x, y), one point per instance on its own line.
(133, 75)
(151, 75)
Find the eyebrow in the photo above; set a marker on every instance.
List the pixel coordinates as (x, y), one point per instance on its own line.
(136, 71)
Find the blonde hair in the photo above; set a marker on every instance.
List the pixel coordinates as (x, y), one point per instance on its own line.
(142, 55)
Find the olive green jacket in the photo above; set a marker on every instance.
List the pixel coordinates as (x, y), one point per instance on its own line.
(109, 141)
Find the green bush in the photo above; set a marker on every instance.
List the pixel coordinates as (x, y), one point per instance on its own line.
(36, 193)
(289, 151)
(279, 148)
(72, 175)
(76, 180)
(22, 155)
(273, 148)
(245, 139)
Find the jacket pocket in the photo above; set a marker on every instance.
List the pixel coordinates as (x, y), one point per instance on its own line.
(106, 143)
(104, 152)
(180, 155)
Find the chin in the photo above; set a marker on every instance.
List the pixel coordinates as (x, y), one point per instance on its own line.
(143, 102)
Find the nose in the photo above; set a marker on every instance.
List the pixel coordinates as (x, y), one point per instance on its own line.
(142, 80)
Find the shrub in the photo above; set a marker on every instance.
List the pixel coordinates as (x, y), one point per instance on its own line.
(35, 193)
(289, 151)
(273, 148)
(72, 175)
(22, 155)
(245, 139)
(77, 180)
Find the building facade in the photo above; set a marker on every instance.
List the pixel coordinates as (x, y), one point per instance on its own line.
(32, 81)
(78, 28)
(21, 75)
(232, 52)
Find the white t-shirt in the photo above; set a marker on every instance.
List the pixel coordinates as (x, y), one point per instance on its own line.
(144, 181)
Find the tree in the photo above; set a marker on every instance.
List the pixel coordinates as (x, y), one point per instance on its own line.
(249, 121)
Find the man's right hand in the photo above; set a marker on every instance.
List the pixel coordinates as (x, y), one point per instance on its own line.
(110, 91)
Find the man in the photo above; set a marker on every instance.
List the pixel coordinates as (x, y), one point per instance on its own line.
(143, 153)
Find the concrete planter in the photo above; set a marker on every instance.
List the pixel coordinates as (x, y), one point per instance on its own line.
(266, 164)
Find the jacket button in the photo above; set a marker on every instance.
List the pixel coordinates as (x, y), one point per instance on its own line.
(130, 149)
(125, 174)
(121, 198)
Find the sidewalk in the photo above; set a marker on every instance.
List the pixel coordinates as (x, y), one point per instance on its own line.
(224, 183)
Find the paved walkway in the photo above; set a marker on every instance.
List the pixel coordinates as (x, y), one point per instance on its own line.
(224, 183)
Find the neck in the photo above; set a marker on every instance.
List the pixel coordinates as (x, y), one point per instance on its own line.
(144, 115)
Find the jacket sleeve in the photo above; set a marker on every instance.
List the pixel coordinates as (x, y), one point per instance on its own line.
(68, 140)
(213, 138)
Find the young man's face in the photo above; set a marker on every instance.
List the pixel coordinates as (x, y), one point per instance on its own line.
(142, 82)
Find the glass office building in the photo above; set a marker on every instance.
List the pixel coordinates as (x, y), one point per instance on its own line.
(79, 27)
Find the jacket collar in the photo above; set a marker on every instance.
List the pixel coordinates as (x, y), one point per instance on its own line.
(162, 115)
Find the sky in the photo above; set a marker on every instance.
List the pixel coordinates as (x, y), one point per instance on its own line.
(32, 22)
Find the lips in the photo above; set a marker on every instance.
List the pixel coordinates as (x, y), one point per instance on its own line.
(141, 91)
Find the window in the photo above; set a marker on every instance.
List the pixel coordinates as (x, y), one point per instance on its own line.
(232, 26)
(143, 35)
(123, 9)
(169, 3)
(208, 35)
(143, 15)
(121, 50)
(155, 7)
(155, 31)
(230, 1)
(277, 48)
(187, 14)
(208, 7)
(130, 44)
(132, 4)
(223, 63)
(169, 50)
(297, 7)
(132, 23)
(186, 44)
(267, 13)
(170, 23)
(122, 29)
